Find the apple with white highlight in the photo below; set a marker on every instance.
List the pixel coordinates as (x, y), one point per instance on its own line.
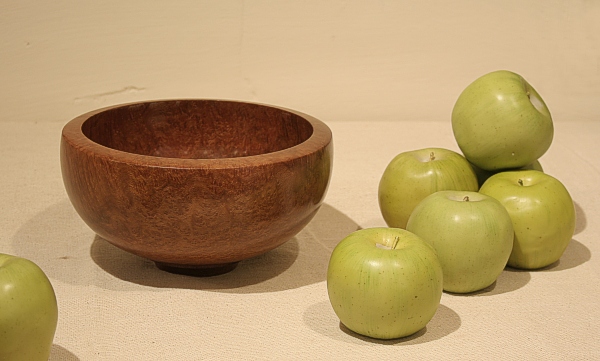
(501, 122)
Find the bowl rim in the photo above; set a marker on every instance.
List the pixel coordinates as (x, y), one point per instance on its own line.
(72, 133)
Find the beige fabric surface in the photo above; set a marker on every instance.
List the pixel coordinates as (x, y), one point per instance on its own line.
(115, 306)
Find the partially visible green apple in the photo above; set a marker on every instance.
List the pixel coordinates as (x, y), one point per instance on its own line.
(28, 311)
(384, 283)
(471, 233)
(542, 213)
(413, 175)
(501, 122)
(483, 175)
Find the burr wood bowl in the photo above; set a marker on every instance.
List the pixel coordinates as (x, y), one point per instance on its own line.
(196, 185)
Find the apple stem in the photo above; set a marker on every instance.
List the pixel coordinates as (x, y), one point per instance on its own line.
(520, 181)
(466, 199)
(431, 156)
(396, 240)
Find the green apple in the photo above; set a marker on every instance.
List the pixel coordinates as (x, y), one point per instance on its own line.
(501, 122)
(471, 233)
(28, 311)
(542, 213)
(384, 283)
(413, 175)
(483, 175)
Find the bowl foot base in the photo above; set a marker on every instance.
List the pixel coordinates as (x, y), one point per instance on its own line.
(197, 270)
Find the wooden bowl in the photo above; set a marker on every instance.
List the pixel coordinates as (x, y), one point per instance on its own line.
(196, 185)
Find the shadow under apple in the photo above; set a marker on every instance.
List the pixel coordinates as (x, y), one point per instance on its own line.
(575, 255)
(321, 318)
(59, 353)
(580, 219)
(509, 280)
(512, 279)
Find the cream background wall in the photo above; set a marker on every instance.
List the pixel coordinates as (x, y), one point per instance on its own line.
(337, 60)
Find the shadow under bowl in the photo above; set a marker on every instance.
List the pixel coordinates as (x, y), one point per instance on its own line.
(196, 185)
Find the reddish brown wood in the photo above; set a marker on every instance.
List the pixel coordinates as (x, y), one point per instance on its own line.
(196, 185)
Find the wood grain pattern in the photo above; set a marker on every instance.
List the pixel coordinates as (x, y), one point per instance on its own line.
(196, 185)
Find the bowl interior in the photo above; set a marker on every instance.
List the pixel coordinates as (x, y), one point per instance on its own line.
(197, 129)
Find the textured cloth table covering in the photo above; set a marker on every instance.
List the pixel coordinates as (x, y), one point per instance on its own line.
(116, 306)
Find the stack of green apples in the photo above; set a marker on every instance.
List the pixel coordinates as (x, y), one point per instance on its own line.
(478, 211)
(503, 127)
